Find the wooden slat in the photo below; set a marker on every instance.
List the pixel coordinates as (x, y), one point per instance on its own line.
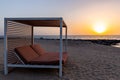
(17, 35)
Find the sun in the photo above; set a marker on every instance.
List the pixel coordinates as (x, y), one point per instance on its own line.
(99, 27)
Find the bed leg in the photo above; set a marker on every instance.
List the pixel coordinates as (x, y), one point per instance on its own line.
(5, 70)
(60, 72)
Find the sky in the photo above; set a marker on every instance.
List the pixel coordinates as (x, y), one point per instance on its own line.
(81, 16)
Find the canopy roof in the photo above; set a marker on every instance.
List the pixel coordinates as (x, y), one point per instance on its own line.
(46, 22)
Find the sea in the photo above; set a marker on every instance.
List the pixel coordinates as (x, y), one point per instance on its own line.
(83, 37)
(78, 37)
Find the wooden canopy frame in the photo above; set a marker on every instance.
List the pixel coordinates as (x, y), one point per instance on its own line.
(10, 33)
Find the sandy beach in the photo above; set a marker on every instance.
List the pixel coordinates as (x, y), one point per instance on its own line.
(87, 61)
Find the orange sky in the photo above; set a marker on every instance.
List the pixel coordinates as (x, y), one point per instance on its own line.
(88, 16)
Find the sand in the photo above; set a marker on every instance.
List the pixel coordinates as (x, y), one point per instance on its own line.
(87, 61)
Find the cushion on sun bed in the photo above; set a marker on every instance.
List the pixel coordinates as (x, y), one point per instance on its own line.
(38, 49)
(49, 58)
(26, 53)
(30, 56)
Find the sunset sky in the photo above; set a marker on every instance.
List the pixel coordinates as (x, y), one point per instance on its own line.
(83, 17)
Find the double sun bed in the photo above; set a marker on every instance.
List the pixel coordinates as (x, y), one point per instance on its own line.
(19, 40)
(34, 54)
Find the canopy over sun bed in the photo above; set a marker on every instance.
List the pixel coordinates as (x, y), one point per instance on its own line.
(19, 32)
(48, 22)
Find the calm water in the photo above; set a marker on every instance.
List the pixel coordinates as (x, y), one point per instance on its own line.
(107, 37)
(92, 37)
(84, 37)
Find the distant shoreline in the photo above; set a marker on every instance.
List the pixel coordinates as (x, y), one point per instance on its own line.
(97, 41)
(75, 37)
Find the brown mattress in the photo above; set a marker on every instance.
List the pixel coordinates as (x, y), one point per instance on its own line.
(26, 53)
(49, 58)
(38, 49)
(30, 56)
